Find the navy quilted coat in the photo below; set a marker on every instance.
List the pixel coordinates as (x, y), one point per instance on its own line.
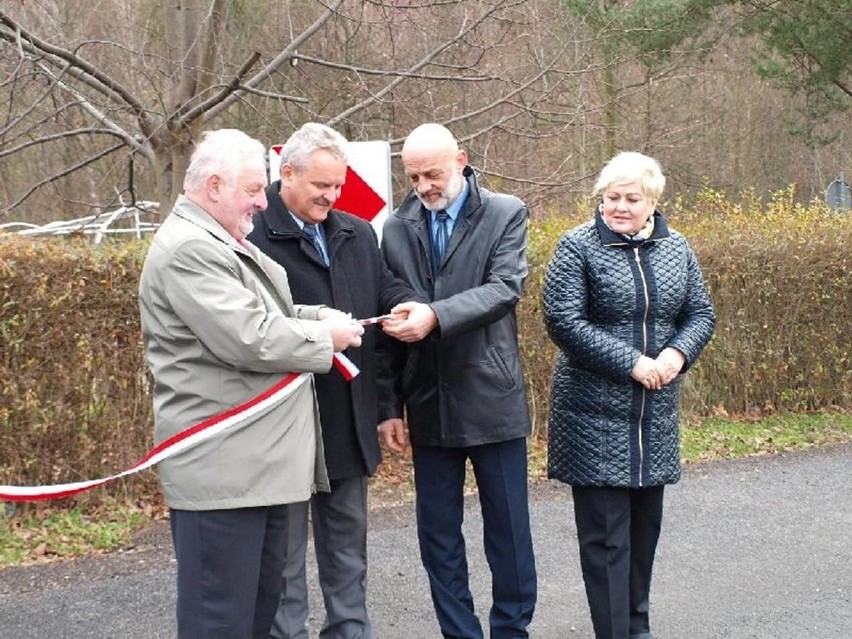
(607, 301)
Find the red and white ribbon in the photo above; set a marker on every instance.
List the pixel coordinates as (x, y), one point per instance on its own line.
(185, 439)
(345, 366)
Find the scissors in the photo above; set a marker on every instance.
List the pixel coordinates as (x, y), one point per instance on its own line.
(373, 320)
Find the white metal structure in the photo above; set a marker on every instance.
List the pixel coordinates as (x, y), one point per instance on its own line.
(123, 220)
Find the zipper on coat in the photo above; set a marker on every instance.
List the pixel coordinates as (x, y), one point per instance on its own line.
(644, 352)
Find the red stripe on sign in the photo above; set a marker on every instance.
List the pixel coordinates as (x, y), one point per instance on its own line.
(358, 198)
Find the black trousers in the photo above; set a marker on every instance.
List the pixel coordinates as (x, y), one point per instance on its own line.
(618, 529)
(229, 565)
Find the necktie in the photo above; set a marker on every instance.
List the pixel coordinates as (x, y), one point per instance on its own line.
(310, 231)
(442, 238)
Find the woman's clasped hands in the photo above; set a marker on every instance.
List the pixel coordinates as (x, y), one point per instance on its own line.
(653, 374)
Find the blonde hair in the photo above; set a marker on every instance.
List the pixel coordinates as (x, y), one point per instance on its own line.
(631, 166)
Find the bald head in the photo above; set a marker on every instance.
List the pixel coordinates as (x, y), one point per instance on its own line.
(434, 164)
(430, 137)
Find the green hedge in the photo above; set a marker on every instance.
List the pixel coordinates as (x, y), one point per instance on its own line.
(74, 400)
(74, 397)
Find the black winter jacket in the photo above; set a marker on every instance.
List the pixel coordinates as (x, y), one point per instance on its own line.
(462, 385)
(358, 282)
(606, 302)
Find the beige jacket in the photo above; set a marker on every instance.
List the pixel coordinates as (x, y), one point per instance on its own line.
(219, 327)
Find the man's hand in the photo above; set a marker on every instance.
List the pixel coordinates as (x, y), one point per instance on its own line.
(411, 321)
(345, 332)
(392, 434)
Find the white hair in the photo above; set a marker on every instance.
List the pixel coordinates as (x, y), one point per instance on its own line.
(311, 137)
(222, 152)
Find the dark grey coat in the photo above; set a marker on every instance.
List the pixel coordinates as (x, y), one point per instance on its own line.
(358, 282)
(606, 302)
(462, 385)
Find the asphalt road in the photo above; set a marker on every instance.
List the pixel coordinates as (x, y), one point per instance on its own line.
(758, 548)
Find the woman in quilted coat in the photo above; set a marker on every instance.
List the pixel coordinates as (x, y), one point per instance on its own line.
(625, 302)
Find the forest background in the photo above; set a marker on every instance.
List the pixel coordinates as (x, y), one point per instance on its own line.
(102, 100)
(745, 104)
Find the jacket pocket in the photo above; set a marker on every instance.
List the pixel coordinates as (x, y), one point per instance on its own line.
(502, 371)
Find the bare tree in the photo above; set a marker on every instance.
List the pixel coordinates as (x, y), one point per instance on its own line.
(102, 100)
(147, 100)
(95, 105)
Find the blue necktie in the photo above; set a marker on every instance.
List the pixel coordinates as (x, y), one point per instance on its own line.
(442, 238)
(310, 231)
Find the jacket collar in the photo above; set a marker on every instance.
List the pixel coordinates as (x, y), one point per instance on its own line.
(194, 213)
(611, 238)
(412, 211)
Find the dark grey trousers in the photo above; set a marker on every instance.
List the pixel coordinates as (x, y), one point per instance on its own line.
(339, 521)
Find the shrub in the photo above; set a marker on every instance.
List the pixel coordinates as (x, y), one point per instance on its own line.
(74, 401)
(75, 395)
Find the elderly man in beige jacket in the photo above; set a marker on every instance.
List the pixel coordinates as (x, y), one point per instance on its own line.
(220, 328)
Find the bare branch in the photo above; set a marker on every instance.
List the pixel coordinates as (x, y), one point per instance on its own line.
(423, 62)
(390, 72)
(131, 141)
(67, 171)
(56, 136)
(283, 57)
(185, 115)
(275, 96)
(70, 62)
(846, 89)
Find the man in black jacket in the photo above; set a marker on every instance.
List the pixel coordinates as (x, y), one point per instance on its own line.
(331, 258)
(457, 374)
